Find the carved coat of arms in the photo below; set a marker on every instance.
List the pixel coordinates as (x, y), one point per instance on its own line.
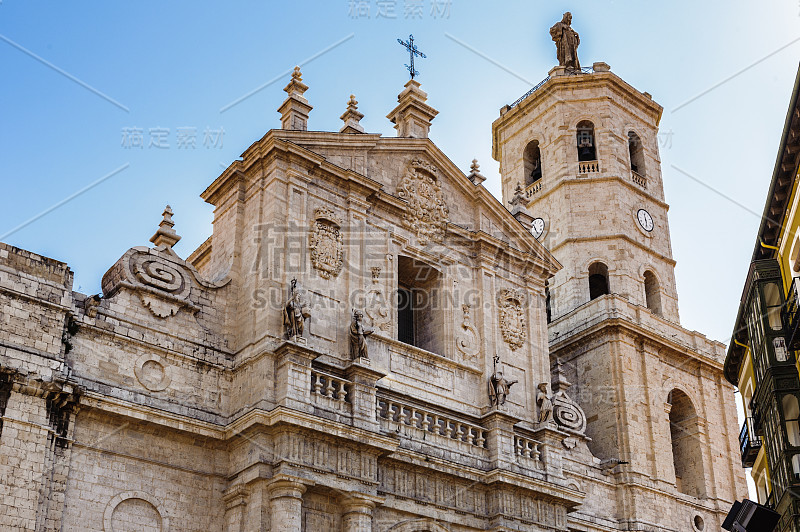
(512, 318)
(427, 212)
(326, 243)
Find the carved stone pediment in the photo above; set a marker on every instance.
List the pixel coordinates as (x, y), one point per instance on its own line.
(325, 242)
(512, 317)
(426, 214)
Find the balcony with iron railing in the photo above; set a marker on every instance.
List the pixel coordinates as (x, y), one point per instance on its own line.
(749, 443)
(791, 317)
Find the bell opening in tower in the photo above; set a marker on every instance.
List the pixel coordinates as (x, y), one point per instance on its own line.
(598, 280)
(636, 152)
(532, 158)
(586, 144)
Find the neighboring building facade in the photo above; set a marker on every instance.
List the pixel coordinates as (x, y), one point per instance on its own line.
(362, 344)
(762, 358)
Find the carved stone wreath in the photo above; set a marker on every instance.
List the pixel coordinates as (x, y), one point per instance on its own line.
(426, 214)
(512, 318)
(326, 243)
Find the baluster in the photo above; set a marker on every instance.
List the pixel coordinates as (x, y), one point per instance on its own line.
(448, 430)
(519, 446)
(480, 439)
(536, 454)
(342, 393)
(328, 387)
(413, 418)
(425, 423)
(317, 383)
(402, 417)
(460, 431)
(471, 436)
(389, 413)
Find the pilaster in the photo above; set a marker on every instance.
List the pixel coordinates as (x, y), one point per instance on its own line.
(500, 438)
(364, 393)
(27, 444)
(293, 376)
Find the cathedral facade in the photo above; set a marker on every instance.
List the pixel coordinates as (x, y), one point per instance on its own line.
(369, 340)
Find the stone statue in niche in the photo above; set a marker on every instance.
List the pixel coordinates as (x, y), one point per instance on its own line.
(296, 312)
(567, 42)
(545, 404)
(358, 336)
(499, 386)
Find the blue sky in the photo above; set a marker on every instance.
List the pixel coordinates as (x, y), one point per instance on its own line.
(174, 65)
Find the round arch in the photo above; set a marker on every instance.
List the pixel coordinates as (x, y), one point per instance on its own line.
(124, 496)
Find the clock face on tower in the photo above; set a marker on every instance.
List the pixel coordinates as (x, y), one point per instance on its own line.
(645, 220)
(537, 227)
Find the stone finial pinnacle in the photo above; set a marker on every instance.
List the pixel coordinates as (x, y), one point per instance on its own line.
(351, 117)
(166, 235)
(475, 174)
(295, 109)
(412, 116)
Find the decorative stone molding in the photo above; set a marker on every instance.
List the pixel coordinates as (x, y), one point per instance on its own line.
(512, 318)
(325, 243)
(426, 213)
(236, 495)
(152, 372)
(108, 515)
(419, 525)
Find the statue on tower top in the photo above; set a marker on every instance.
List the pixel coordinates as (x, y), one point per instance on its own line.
(567, 42)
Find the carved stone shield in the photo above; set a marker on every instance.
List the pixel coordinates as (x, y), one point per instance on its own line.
(426, 214)
(326, 243)
(512, 318)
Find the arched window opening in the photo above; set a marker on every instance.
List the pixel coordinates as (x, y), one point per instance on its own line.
(598, 280)
(586, 142)
(532, 158)
(686, 450)
(652, 292)
(636, 151)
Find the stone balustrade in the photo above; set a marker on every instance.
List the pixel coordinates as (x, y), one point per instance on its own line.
(394, 415)
(639, 179)
(533, 188)
(330, 390)
(588, 167)
(527, 449)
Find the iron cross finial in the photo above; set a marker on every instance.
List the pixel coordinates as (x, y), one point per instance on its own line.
(412, 51)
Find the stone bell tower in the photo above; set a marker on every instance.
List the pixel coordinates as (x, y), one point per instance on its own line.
(583, 146)
(580, 167)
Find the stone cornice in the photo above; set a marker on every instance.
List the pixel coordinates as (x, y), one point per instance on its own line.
(614, 319)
